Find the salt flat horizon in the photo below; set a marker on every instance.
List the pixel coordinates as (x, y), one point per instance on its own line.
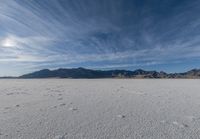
(99, 108)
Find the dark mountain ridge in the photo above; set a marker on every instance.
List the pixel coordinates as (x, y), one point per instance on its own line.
(89, 73)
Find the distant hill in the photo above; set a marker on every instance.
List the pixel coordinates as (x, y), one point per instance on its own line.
(8, 77)
(88, 73)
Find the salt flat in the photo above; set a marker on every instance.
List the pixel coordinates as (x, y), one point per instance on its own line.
(99, 109)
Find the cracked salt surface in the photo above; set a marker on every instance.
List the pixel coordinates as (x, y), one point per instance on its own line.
(99, 108)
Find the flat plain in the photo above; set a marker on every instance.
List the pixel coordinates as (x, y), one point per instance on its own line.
(99, 109)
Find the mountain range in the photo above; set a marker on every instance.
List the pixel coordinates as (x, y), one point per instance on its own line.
(91, 74)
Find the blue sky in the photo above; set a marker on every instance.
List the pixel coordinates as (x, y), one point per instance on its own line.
(99, 34)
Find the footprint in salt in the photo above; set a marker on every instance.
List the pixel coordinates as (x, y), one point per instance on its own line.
(17, 106)
(59, 137)
(185, 125)
(180, 125)
(10, 94)
(54, 106)
(63, 104)
(175, 123)
(121, 116)
(6, 108)
(60, 98)
(73, 109)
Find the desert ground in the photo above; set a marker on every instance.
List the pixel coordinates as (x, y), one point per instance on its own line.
(99, 109)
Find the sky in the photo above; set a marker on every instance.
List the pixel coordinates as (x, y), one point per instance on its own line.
(161, 35)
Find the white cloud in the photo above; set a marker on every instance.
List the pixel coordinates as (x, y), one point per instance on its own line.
(8, 42)
(16, 41)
